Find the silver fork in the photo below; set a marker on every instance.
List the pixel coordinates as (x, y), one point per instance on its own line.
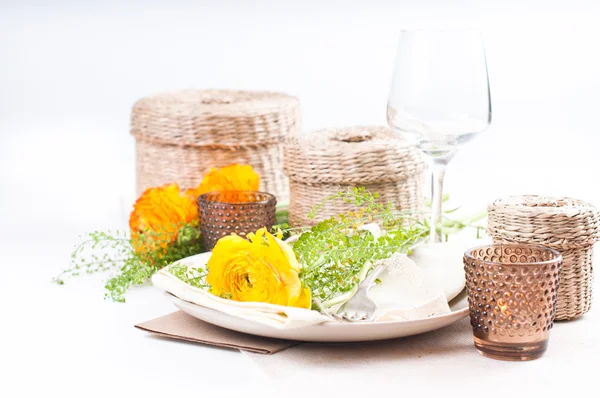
(360, 307)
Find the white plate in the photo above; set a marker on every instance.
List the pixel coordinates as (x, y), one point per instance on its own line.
(447, 273)
(331, 331)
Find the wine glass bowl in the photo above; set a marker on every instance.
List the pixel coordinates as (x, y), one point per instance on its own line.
(439, 98)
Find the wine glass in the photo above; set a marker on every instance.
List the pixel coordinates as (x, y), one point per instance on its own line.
(439, 99)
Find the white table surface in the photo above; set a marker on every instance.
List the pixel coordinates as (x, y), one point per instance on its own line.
(67, 167)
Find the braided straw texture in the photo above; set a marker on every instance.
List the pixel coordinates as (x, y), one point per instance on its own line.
(322, 162)
(181, 135)
(568, 225)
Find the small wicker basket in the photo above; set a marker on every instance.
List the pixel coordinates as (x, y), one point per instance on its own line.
(567, 225)
(321, 162)
(182, 135)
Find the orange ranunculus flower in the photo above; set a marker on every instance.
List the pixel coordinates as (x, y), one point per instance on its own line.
(229, 178)
(157, 216)
(262, 269)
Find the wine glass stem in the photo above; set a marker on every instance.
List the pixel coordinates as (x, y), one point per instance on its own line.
(438, 170)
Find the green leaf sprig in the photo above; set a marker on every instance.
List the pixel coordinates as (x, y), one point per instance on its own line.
(113, 251)
(336, 254)
(193, 276)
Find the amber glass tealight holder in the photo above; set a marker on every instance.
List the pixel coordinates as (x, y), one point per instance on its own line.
(512, 292)
(234, 212)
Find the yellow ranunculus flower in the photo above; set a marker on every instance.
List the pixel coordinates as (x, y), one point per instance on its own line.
(234, 177)
(262, 269)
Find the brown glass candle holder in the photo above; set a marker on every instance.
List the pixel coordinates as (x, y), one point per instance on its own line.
(234, 212)
(512, 291)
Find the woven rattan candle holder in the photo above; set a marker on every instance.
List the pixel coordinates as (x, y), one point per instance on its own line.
(567, 225)
(321, 162)
(182, 135)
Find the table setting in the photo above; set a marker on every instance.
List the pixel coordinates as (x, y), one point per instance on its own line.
(336, 253)
(364, 256)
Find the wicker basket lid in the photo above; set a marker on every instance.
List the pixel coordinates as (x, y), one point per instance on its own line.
(554, 222)
(215, 117)
(351, 155)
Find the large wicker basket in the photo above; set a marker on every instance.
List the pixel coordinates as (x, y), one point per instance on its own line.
(182, 135)
(322, 162)
(567, 225)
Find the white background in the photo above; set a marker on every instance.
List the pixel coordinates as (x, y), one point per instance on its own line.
(70, 72)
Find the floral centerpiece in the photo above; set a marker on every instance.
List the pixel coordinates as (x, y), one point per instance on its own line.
(322, 268)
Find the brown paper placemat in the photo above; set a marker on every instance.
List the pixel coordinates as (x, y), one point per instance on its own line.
(179, 325)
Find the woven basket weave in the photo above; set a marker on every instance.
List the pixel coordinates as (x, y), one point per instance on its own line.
(321, 162)
(567, 225)
(182, 135)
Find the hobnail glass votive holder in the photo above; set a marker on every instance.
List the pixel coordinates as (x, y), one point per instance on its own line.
(512, 291)
(234, 212)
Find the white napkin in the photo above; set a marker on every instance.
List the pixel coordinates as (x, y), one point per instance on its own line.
(442, 262)
(268, 314)
(407, 291)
